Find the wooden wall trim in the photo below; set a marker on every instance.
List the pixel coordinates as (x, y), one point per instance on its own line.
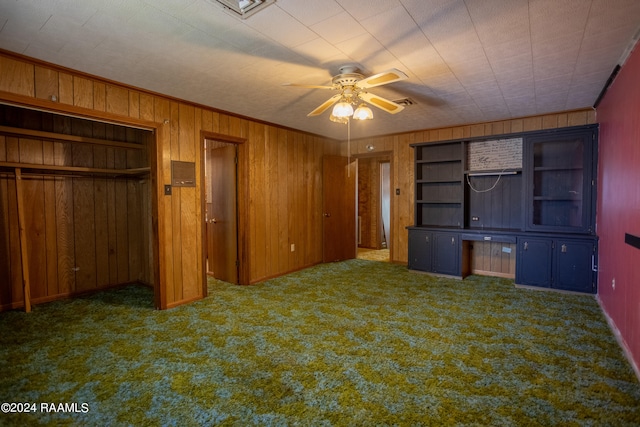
(73, 111)
(158, 220)
(482, 125)
(221, 137)
(257, 280)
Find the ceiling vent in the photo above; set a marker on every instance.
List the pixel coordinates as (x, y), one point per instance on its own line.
(405, 101)
(243, 8)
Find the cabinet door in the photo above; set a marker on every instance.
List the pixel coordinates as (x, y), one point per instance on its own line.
(559, 182)
(534, 262)
(446, 258)
(574, 265)
(420, 253)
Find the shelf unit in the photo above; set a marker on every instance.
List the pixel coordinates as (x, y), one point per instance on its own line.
(535, 213)
(439, 185)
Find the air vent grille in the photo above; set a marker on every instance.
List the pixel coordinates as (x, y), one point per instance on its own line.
(243, 8)
(405, 101)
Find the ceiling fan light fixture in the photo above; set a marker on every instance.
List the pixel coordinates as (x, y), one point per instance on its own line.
(342, 109)
(363, 112)
(342, 120)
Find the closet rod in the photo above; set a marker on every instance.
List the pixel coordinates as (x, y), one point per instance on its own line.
(42, 175)
(77, 169)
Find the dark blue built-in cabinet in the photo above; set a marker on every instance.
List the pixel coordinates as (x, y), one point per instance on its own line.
(538, 193)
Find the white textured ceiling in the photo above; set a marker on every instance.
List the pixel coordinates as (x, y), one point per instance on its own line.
(468, 61)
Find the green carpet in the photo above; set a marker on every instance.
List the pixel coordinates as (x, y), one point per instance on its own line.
(358, 343)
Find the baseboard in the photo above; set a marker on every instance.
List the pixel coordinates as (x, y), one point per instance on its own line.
(620, 339)
(493, 274)
(543, 289)
(265, 278)
(429, 273)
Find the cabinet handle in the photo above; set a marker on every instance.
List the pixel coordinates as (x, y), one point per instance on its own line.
(564, 248)
(526, 246)
(453, 240)
(426, 238)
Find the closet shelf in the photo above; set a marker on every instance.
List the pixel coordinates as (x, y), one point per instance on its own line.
(76, 169)
(53, 136)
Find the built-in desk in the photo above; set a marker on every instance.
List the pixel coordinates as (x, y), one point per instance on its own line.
(547, 260)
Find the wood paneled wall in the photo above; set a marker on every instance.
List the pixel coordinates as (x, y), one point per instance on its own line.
(286, 200)
(402, 160)
(280, 170)
(83, 232)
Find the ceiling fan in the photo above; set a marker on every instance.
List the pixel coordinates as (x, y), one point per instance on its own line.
(353, 85)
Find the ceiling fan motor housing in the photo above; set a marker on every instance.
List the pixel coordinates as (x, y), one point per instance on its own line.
(347, 79)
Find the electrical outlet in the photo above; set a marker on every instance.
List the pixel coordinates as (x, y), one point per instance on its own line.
(293, 247)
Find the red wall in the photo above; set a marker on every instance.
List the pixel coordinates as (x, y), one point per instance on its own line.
(619, 203)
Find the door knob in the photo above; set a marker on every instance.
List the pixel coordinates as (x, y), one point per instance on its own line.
(213, 220)
(327, 215)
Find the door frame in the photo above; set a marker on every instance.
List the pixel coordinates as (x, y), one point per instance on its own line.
(383, 157)
(381, 228)
(229, 180)
(242, 201)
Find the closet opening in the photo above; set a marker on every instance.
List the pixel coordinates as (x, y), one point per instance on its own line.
(75, 206)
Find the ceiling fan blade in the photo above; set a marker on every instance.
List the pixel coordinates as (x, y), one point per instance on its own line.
(386, 77)
(308, 86)
(382, 103)
(324, 106)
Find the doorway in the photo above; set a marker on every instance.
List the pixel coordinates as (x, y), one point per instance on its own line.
(221, 210)
(374, 207)
(385, 204)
